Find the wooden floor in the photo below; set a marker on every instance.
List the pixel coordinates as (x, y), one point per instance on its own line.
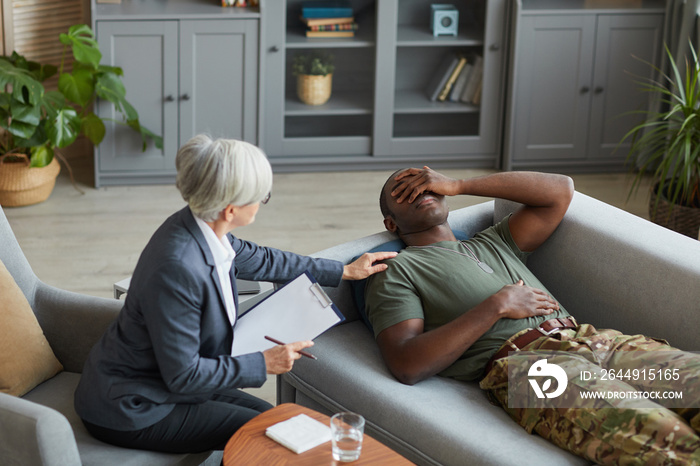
(86, 242)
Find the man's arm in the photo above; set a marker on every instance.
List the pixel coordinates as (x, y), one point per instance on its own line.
(413, 355)
(546, 197)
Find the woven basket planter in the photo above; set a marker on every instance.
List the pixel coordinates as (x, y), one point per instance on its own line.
(682, 219)
(314, 90)
(22, 185)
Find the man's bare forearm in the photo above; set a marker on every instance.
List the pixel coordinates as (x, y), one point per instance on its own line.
(529, 188)
(413, 355)
(546, 198)
(417, 356)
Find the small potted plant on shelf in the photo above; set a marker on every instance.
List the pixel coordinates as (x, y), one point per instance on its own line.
(314, 72)
(35, 124)
(667, 144)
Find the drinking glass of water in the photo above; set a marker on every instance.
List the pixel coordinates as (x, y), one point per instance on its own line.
(346, 432)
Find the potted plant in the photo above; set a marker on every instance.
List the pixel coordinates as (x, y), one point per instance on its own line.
(314, 72)
(667, 144)
(35, 124)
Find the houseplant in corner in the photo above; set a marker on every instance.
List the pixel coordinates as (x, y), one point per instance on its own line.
(35, 124)
(314, 72)
(667, 144)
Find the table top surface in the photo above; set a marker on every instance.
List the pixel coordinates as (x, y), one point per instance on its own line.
(250, 446)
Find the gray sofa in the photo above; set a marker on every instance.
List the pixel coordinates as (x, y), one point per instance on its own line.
(42, 427)
(609, 268)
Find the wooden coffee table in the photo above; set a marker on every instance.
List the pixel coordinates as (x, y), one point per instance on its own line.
(250, 446)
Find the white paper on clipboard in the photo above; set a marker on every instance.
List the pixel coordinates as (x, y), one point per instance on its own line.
(300, 310)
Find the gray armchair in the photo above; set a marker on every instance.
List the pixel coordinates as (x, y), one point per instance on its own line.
(42, 427)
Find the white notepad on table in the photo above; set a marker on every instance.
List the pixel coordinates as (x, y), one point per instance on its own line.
(299, 433)
(300, 310)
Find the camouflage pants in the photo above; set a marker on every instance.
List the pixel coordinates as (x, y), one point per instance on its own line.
(610, 431)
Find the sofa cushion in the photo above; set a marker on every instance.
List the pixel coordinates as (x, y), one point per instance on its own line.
(26, 359)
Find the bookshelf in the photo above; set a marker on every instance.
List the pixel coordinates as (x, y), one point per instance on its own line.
(378, 114)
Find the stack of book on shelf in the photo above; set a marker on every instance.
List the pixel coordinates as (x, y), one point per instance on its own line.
(323, 18)
(457, 79)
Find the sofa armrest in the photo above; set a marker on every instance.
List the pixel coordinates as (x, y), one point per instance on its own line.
(616, 270)
(73, 322)
(34, 434)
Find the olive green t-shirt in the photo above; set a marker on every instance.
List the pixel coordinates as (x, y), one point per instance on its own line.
(436, 284)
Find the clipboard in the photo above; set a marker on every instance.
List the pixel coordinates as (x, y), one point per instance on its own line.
(300, 310)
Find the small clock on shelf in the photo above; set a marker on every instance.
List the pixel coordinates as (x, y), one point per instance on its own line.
(443, 19)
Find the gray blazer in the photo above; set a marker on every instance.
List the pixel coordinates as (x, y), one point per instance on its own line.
(172, 339)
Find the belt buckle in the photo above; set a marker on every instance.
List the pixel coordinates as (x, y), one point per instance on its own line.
(548, 332)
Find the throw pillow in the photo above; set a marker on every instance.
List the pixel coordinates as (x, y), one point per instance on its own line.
(358, 286)
(26, 359)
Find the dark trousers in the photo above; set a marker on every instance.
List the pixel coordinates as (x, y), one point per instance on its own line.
(189, 428)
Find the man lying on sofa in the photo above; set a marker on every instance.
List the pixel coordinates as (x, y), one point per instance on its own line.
(456, 308)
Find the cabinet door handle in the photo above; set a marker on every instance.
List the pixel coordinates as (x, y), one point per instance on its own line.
(495, 47)
(170, 98)
(185, 97)
(585, 89)
(598, 90)
(274, 49)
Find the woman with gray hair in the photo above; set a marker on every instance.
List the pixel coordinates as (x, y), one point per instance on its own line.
(162, 376)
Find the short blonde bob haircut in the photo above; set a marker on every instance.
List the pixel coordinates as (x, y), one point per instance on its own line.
(213, 173)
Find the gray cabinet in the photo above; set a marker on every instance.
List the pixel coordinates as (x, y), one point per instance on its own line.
(378, 114)
(150, 75)
(184, 77)
(573, 82)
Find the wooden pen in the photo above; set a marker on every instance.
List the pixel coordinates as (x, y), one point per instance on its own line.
(303, 353)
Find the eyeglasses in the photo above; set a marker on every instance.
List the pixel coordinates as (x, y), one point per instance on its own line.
(267, 198)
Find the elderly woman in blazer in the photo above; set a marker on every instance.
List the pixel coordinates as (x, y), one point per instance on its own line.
(162, 377)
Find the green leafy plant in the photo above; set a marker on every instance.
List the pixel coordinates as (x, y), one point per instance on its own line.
(37, 123)
(667, 142)
(313, 63)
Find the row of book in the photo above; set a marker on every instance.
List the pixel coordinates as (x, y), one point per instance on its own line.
(328, 18)
(457, 79)
(240, 3)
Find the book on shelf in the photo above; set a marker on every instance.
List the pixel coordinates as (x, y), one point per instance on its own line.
(240, 3)
(326, 9)
(445, 92)
(334, 27)
(328, 18)
(310, 22)
(441, 76)
(474, 80)
(462, 79)
(330, 33)
(477, 95)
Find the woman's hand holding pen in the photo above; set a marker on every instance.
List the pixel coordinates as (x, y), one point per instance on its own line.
(280, 359)
(365, 265)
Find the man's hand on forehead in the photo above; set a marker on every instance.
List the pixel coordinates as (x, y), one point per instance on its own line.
(413, 182)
